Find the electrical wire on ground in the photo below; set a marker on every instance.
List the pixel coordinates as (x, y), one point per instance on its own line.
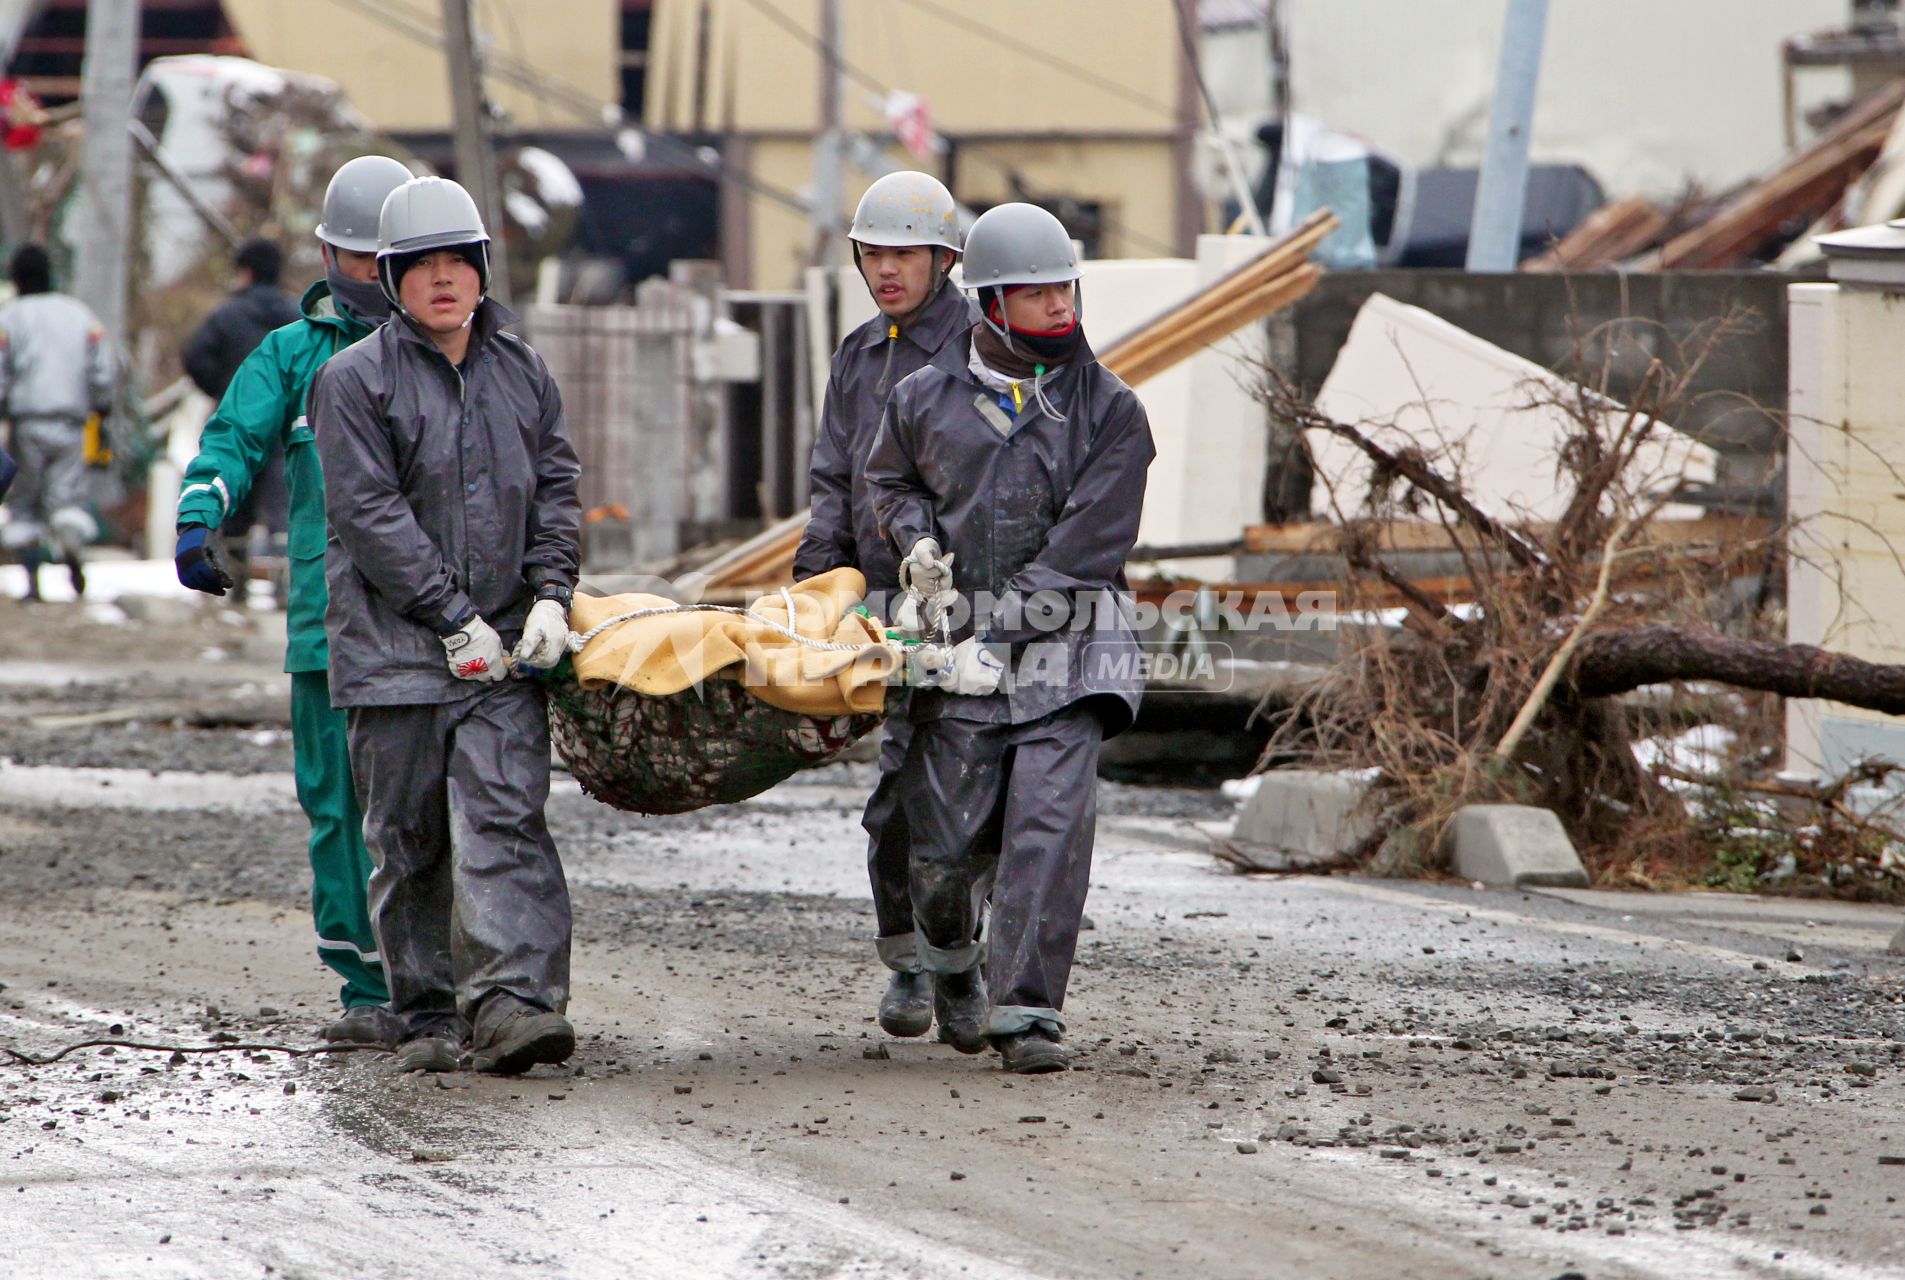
(20, 1059)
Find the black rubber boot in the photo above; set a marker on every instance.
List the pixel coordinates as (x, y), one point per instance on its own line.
(907, 1007)
(960, 1004)
(31, 560)
(1033, 1052)
(520, 1039)
(364, 1024)
(76, 573)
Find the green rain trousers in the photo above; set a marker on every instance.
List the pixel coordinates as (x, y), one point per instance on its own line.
(265, 404)
(340, 865)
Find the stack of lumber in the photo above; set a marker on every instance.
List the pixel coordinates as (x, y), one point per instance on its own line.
(1316, 537)
(1738, 542)
(1806, 186)
(1612, 234)
(1274, 279)
(1748, 226)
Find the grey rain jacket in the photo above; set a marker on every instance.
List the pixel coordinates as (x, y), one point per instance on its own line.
(449, 494)
(1029, 506)
(58, 361)
(842, 531)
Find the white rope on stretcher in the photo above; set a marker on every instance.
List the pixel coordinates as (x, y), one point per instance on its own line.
(578, 639)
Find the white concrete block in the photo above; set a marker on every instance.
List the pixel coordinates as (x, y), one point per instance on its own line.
(1513, 845)
(1306, 812)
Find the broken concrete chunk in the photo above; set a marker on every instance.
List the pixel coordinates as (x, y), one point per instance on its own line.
(1513, 845)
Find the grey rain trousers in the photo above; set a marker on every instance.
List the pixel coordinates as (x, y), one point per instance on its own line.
(49, 501)
(890, 854)
(467, 897)
(1011, 808)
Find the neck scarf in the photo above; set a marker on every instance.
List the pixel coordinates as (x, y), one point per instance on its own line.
(362, 300)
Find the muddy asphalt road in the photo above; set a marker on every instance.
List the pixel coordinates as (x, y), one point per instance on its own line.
(1302, 1077)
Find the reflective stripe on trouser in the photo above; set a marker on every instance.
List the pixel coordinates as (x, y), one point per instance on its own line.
(468, 896)
(340, 865)
(1013, 806)
(889, 854)
(49, 498)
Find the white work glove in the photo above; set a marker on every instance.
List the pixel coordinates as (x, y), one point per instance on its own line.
(907, 620)
(545, 636)
(927, 570)
(476, 653)
(973, 670)
(917, 619)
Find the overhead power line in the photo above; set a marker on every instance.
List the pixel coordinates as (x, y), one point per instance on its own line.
(874, 84)
(577, 102)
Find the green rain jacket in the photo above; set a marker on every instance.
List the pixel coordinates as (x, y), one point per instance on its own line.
(265, 402)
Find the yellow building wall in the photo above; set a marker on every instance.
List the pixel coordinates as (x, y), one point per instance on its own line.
(986, 66)
(400, 81)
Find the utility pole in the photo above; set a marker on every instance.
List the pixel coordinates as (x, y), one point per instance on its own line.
(102, 240)
(475, 145)
(831, 146)
(1494, 237)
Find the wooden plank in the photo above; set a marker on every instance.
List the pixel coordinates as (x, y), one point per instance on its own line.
(1288, 255)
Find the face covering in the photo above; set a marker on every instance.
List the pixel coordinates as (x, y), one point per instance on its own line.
(363, 299)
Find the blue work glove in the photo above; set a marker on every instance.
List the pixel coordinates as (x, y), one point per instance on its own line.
(201, 561)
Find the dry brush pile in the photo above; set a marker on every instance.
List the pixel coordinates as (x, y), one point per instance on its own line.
(1620, 669)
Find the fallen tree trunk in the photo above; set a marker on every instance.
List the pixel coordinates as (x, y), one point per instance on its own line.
(1613, 662)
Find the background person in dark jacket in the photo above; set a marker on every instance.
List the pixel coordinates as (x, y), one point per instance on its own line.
(450, 486)
(905, 238)
(211, 358)
(1020, 457)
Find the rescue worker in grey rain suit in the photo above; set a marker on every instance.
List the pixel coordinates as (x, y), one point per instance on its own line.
(455, 529)
(905, 238)
(1018, 456)
(56, 370)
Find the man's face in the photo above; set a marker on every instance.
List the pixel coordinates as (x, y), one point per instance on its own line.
(351, 264)
(440, 291)
(1040, 308)
(901, 277)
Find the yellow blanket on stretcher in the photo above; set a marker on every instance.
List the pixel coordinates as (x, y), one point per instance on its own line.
(667, 652)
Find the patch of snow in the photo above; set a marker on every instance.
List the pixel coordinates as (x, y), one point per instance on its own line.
(106, 581)
(1702, 749)
(1240, 790)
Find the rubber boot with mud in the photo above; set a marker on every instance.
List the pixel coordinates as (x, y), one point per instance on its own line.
(431, 1052)
(364, 1024)
(960, 1004)
(907, 1007)
(520, 1038)
(31, 559)
(1033, 1052)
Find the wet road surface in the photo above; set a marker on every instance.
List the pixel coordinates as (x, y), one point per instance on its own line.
(1313, 1077)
